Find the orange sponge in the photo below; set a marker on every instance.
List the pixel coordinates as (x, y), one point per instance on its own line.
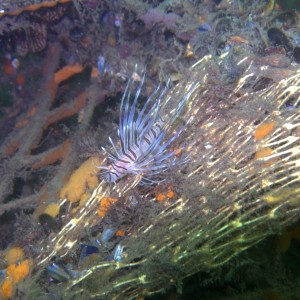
(18, 271)
(159, 196)
(7, 288)
(263, 130)
(105, 205)
(66, 72)
(15, 273)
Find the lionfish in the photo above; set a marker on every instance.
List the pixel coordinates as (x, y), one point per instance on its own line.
(143, 150)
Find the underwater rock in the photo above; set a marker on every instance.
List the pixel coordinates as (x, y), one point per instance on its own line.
(278, 38)
(296, 54)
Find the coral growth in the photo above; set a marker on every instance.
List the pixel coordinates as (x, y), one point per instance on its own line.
(28, 25)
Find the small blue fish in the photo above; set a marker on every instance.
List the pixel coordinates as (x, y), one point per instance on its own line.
(85, 251)
(101, 65)
(118, 252)
(107, 234)
(59, 273)
(205, 27)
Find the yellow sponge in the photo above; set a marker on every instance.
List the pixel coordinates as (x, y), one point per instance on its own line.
(81, 179)
(14, 254)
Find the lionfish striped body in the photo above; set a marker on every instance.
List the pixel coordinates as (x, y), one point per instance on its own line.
(143, 150)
